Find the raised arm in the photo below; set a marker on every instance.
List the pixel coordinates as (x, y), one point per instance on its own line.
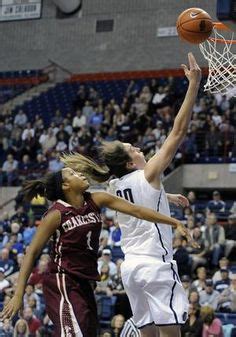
(47, 227)
(104, 199)
(161, 160)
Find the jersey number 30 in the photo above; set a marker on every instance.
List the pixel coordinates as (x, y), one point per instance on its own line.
(126, 194)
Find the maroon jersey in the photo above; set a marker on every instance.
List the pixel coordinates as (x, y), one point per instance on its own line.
(75, 243)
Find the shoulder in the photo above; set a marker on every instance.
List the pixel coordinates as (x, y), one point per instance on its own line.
(217, 321)
(89, 198)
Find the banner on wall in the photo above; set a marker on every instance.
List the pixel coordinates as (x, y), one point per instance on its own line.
(13, 10)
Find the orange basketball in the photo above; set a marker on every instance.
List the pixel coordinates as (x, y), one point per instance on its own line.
(194, 25)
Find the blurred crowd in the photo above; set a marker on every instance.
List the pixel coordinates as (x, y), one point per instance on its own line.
(29, 146)
(208, 273)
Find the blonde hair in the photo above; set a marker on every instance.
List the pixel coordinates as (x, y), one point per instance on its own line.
(26, 333)
(113, 156)
(114, 318)
(207, 314)
(87, 166)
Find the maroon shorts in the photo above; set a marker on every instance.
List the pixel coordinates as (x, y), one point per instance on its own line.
(71, 306)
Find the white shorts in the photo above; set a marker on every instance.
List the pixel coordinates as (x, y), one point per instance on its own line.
(155, 292)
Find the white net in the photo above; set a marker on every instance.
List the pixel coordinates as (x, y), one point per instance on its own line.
(219, 51)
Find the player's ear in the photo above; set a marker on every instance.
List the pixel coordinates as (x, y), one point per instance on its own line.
(130, 165)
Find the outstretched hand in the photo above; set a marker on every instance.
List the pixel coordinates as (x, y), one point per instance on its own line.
(11, 308)
(178, 199)
(184, 231)
(193, 73)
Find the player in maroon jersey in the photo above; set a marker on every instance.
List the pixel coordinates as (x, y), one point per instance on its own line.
(74, 223)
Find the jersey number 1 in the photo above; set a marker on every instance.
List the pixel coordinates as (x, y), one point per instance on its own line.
(89, 240)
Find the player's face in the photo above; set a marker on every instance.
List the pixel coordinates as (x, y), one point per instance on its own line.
(136, 155)
(76, 181)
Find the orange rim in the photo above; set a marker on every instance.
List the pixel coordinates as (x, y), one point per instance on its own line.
(221, 26)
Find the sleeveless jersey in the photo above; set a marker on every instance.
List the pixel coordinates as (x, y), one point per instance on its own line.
(75, 243)
(140, 237)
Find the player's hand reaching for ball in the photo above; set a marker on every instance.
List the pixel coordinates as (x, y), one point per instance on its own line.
(193, 73)
(11, 308)
(184, 231)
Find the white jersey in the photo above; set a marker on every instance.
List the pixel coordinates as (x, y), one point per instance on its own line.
(140, 237)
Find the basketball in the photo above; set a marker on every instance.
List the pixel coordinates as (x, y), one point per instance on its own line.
(194, 25)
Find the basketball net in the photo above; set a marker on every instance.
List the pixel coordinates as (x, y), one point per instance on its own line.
(217, 50)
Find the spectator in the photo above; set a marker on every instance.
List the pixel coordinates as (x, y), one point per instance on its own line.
(213, 142)
(13, 277)
(216, 205)
(87, 111)
(4, 284)
(104, 235)
(20, 216)
(21, 329)
(223, 264)
(30, 293)
(224, 283)
(62, 134)
(74, 142)
(43, 137)
(25, 167)
(49, 142)
(36, 278)
(106, 258)
(230, 234)
(211, 326)
(15, 247)
(9, 171)
(54, 162)
(200, 282)
(186, 282)
(114, 236)
(181, 256)
(117, 324)
(227, 299)
(96, 119)
(57, 119)
(192, 199)
(209, 296)
(28, 131)
(67, 125)
(20, 119)
(29, 232)
(6, 263)
(214, 236)
(40, 166)
(79, 120)
(6, 329)
(102, 285)
(194, 325)
(30, 146)
(197, 255)
(33, 322)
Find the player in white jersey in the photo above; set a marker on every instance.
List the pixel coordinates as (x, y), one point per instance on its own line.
(149, 272)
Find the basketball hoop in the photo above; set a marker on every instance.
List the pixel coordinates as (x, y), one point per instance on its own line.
(219, 51)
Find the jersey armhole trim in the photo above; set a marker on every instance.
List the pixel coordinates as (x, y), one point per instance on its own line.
(150, 186)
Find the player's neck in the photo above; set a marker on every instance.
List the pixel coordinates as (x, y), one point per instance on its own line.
(74, 199)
